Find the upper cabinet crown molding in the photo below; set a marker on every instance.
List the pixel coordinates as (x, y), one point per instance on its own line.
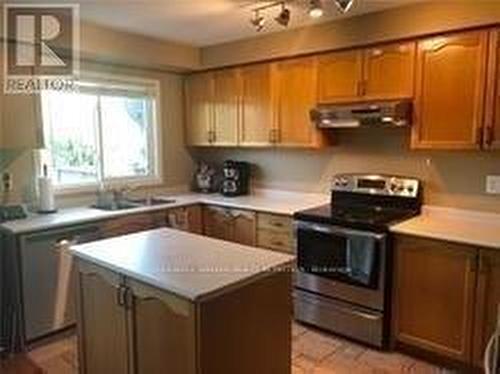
(450, 91)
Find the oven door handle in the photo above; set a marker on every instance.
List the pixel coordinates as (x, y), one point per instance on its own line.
(338, 230)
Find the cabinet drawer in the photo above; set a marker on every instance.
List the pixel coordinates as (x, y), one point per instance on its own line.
(280, 241)
(128, 225)
(274, 222)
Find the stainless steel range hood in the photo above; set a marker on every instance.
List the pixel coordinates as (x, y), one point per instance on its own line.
(391, 113)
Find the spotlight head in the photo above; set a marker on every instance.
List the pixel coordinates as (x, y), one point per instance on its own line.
(284, 17)
(315, 9)
(258, 22)
(344, 5)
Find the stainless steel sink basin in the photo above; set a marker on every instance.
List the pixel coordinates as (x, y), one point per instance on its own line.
(152, 201)
(134, 203)
(114, 206)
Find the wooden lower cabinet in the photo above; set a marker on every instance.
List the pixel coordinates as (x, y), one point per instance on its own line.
(102, 323)
(187, 218)
(435, 296)
(275, 232)
(488, 300)
(164, 331)
(129, 224)
(233, 225)
(126, 326)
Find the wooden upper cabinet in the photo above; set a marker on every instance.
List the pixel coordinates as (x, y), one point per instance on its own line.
(389, 71)
(492, 128)
(450, 91)
(256, 122)
(199, 109)
(295, 82)
(487, 302)
(340, 76)
(226, 101)
(434, 296)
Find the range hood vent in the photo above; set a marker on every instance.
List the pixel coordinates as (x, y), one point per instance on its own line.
(393, 113)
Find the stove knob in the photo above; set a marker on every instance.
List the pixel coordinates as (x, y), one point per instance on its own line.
(341, 182)
(410, 190)
(397, 187)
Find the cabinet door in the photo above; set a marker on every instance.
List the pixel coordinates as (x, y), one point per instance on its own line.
(450, 86)
(20, 118)
(103, 336)
(186, 219)
(492, 129)
(164, 331)
(199, 109)
(244, 227)
(434, 296)
(216, 222)
(128, 225)
(296, 95)
(256, 127)
(389, 71)
(488, 302)
(340, 75)
(226, 107)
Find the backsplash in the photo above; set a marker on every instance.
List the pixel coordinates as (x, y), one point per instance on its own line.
(453, 179)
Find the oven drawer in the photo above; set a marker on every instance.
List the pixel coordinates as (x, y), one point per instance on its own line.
(367, 297)
(342, 318)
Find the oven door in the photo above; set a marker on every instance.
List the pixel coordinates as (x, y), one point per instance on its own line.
(341, 262)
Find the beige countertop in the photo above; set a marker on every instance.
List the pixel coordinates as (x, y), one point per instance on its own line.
(191, 266)
(271, 201)
(460, 226)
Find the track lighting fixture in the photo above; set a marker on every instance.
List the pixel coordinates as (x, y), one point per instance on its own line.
(315, 9)
(344, 5)
(258, 21)
(284, 17)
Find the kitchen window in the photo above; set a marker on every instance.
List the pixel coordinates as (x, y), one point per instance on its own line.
(104, 133)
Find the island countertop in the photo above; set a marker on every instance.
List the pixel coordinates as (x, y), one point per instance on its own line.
(191, 266)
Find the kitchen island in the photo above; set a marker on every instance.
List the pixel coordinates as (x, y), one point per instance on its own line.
(165, 301)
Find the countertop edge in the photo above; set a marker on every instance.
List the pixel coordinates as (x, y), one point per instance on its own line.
(184, 200)
(182, 293)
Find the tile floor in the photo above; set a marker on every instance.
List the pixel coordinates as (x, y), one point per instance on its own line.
(314, 352)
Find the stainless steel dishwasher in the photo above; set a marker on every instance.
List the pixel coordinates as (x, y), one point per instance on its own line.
(48, 279)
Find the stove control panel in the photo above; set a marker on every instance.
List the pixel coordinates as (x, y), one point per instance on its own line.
(377, 185)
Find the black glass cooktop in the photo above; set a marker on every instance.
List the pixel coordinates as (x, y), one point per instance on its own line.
(362, 217)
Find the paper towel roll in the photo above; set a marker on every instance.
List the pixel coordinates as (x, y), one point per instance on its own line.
(46, 195)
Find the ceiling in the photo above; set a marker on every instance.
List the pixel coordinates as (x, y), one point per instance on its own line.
(206, 22)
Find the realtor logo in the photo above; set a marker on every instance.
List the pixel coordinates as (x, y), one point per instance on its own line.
(41, 48)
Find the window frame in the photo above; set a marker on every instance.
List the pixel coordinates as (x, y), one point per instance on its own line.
(155, 141)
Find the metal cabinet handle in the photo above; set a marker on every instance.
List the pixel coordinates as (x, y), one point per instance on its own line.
(124, 297)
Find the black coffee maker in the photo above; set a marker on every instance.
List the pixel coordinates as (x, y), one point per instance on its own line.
(235, 178)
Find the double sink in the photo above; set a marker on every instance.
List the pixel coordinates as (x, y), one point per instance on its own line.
(130, 203)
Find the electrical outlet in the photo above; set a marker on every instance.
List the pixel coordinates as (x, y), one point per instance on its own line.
(493, 184)
(7, 182)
